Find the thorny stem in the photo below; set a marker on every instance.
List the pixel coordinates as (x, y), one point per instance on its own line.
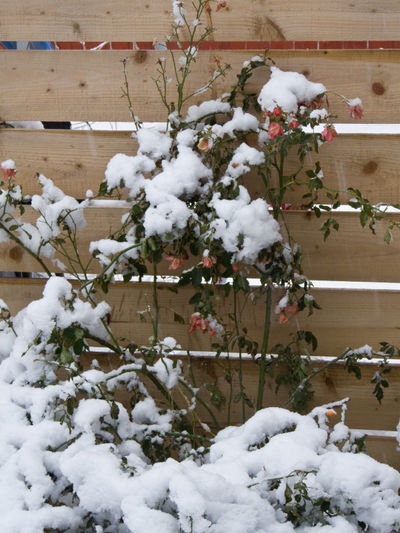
(235, 316)
(125, 92)
(228, 418)
(155, 303)
(263, 357)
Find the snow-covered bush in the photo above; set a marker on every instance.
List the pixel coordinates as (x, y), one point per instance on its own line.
(73, 456)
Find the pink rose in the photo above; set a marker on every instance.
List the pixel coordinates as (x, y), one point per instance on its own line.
(356, 111)
(274, 130)
(287, 312)
(207, 261)
(8, 172)
(174, 262)
(328, 134)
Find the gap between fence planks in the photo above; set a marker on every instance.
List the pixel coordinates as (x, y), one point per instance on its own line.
(275, 20)
(71, 85)
(348, 317)
(76, 161)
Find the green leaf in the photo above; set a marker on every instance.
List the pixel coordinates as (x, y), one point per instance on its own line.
(114, 411)
(388, 236)
(195, 299)
(141, 316)
(66, 356)
(70, 405)
(196, 277)
(178, 318)
(103, 188)
(79, 346)
(364, 218)
(152, 243)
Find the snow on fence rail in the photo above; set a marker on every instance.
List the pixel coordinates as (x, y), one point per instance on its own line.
(65, 85)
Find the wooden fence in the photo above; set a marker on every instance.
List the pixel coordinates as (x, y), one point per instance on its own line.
(85, 86)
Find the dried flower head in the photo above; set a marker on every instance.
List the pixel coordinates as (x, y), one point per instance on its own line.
(221, 4)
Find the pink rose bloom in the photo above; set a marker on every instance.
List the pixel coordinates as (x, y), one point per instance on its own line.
(356, 111)
(277, 112)
(174, 262)
(8, 172)
(207, 261)
(294, 124)
(274, 130)
(328, 134)
(195, 322)
(287, 312)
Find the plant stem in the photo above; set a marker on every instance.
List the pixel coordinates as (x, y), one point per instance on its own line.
(315, 373)
(125, 92)
(155, 303)
(240, 356)
(201, 402)
(267, 326)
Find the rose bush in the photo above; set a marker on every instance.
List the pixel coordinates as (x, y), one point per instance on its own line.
(73, 457)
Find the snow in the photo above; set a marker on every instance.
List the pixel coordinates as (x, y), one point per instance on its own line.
(44, 460)
(179, 12)
(8, 164)
(287, 89)
(245, 227)
(210, 107)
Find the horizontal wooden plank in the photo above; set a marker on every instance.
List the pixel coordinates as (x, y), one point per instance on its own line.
(278, 20)
(76, 161)
(348, 318)
(71, 85)
(351, 254)
(384, 450)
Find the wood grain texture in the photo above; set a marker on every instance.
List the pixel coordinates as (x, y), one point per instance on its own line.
(76, 161)
(256, 20)
(351, 254)
(384, 450)
(348, 317)
(71, 85)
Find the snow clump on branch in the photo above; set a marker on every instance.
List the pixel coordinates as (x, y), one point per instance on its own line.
(287, 89)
